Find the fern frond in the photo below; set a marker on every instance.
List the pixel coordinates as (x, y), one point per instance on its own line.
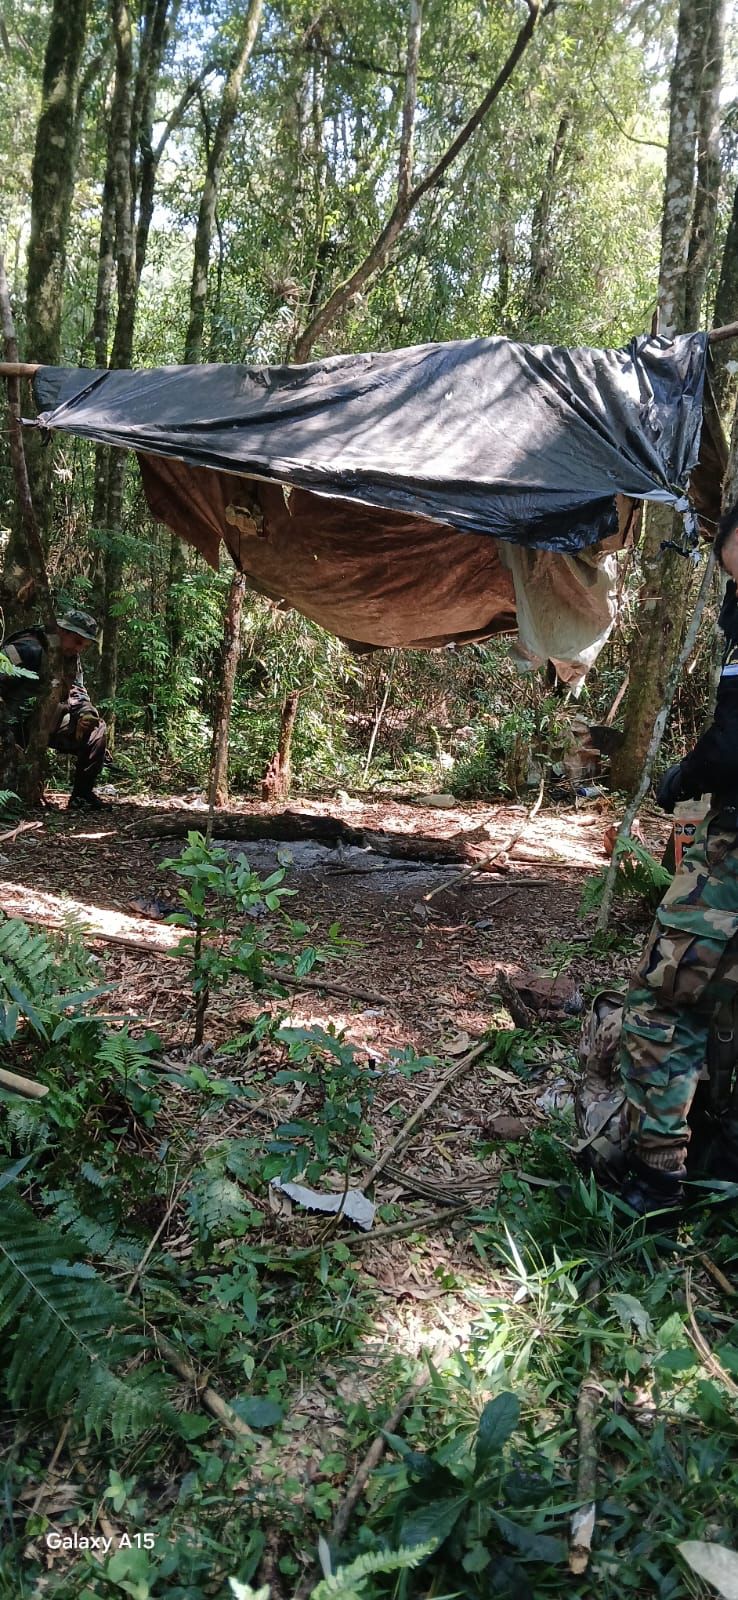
(347, 1582)
(214, 1202)
(64, 1330)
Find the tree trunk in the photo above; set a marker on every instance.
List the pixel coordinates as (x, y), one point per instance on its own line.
(118, 202)
(679, 185)
(278, 775)
(707, 192)
(52, 187)
(541, 250)
(129, 147)
(52, 181)
(662, 605)
(217, 148)
(29, 768)
(224, 697)
(726, 310)
(663, 597)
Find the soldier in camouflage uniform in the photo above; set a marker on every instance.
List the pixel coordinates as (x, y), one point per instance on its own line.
(689, 967)
(79, 729)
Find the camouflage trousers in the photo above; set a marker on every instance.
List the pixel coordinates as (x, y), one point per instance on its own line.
(689, 968)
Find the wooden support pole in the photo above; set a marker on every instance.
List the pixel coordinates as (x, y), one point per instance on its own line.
(729, 330)
(19, 369)
(27, 369)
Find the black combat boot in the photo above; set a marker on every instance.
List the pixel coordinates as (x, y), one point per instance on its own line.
(87, 802)
(650, 1189)
(721, 1158)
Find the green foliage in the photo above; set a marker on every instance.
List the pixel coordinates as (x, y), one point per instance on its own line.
(466, 1500)
(66, 1329)
(511, 746)
(220, 898)
(349, 1582)
(639, 877)
(338, 1091)
(31, 966)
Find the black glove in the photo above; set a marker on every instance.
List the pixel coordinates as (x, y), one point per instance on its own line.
(669, 791)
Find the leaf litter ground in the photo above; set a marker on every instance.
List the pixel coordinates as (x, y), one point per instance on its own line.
(499, 1133)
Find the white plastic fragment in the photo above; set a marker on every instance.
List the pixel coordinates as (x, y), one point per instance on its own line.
(353, 1204)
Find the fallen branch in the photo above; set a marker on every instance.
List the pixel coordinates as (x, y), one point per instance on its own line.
(718, 1276)
(373, 1457)
(427, 1188)
(294, 826)
(708, 1357)
(21, 827)
(25, 1086)
(151, 1246)
(212, 1401)
(327, 984)
(395, 1230)
(152, 948)
(408, 1127)
(521, 1014)
(483, 866)
(583, 1520)
(582, 1524)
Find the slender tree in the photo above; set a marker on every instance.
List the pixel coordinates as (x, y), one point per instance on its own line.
(726, 310)
(687, 234)
(224, 695)
(213, 171)
(130, 176)
(52, 186)
(217, 149)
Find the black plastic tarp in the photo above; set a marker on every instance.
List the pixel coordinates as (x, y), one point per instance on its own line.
(528, 443)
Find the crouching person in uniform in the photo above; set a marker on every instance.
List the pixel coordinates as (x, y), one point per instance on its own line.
(688, 973)
(79, 729)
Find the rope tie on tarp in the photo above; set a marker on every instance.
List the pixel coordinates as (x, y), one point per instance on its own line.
(689, 548)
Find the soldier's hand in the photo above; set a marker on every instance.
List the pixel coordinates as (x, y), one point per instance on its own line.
(669, 791)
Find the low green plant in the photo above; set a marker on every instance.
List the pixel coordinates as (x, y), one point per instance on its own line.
(339, 1089)
(220, 900)
(482, 1514)
(639, 877)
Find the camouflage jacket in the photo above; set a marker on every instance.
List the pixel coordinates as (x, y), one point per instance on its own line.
(27, 649)
(712, 766)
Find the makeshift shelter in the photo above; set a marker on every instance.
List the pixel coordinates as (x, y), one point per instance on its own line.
(419, 497)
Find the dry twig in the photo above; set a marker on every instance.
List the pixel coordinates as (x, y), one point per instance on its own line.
(708, 1357)
(483, 866)
(583, 1520)
(373, 1457)
(407, 1128)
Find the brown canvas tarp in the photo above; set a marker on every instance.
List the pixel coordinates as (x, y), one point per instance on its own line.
(380, 578)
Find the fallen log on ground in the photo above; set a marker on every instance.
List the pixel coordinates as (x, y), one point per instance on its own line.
(294, 826)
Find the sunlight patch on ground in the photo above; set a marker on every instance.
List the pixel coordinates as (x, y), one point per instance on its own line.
(58, 911)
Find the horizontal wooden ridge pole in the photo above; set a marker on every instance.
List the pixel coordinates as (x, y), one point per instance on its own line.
(26, 369)
(728, 331)
(19, 369)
